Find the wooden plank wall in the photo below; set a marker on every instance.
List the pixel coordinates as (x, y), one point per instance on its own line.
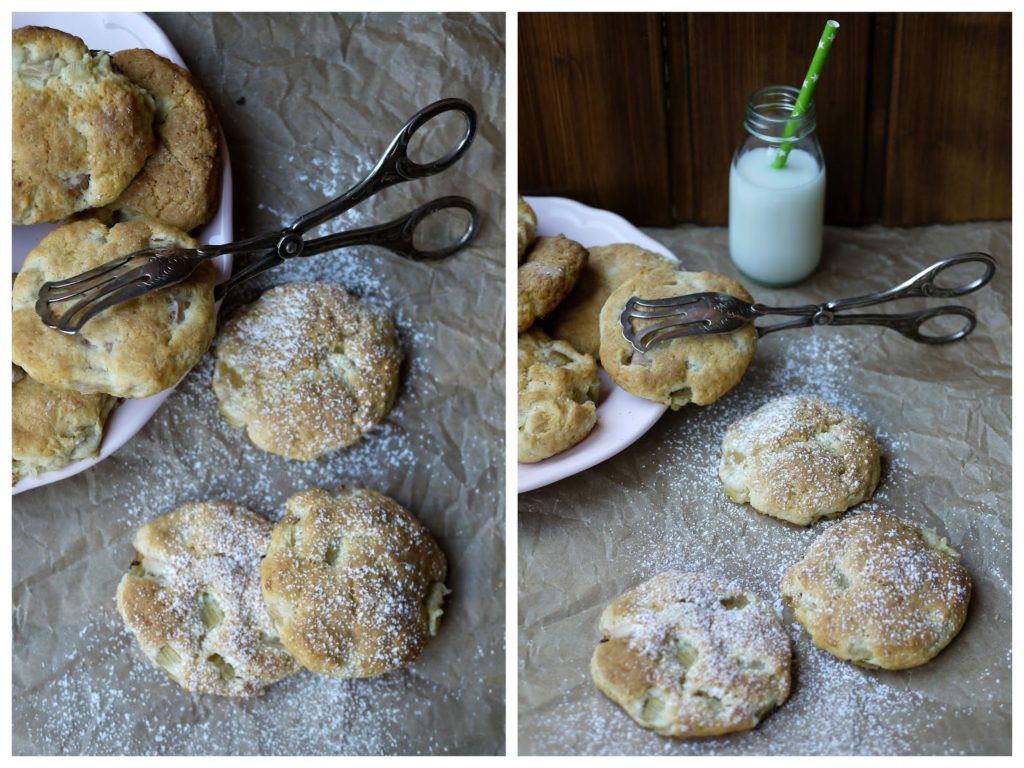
(948, 151)
(640, 113)
(585, 126)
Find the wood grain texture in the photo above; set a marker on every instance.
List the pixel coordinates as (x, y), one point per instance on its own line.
(641, 113)
(877, 125)
(732, 55)
(592, 121)
(681, 149)
(948, 138)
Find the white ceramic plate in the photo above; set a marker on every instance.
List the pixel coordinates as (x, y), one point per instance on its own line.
(115, 32)
(621, 417)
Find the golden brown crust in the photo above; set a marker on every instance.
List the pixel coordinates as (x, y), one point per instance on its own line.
(697, 369)
(133, 349)
(308, 368)
(690, 655)
(552, 268)
(353, 582)
(799, 458)
(192, 599)
(81, 131)
(527, 227)
(180, 182)
(558, 391)
(578, 319)
(876, 591)
(52, 427)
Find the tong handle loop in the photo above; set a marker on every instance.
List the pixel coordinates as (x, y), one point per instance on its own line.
(913, 324)
(399, 149)
(396, 166)
(398, 235)
(925, 284)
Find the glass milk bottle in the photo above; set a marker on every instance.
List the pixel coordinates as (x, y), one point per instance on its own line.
(776, 214)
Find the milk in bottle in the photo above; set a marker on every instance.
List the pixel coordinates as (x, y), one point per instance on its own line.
(776, 214)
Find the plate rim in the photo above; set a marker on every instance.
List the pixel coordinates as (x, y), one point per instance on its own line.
(577, 458)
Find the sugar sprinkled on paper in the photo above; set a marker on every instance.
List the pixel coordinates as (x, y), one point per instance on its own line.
(106, 698)
(835, 707)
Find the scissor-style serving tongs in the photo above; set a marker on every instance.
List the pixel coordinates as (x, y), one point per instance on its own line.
(701, 313)
(159, 267)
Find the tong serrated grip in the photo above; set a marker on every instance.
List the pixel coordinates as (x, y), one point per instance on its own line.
(690, 315)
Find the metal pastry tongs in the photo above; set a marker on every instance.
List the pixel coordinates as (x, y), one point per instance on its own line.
(701, 313)
(160, 267)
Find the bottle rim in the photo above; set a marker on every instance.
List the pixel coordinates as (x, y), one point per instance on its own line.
(770, 109)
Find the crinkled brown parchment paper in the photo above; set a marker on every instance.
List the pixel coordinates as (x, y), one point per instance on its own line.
(942, 415)
(308, 103)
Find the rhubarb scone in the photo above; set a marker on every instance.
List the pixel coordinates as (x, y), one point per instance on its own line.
(687, 654)
(695, 369)
(306, 369)
(192, 599)
(180, 182)
(527, 227)
(558, 392)
(578, 318)
(52, 427)
(81, 130)
(799, 458)
(879, 592)
(551, 269)
(133, 349)
(353, 582)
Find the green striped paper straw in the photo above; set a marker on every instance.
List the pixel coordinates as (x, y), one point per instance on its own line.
(806, 90)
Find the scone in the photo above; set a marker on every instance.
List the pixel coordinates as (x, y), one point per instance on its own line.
(691, 369)
(527, 227)
(558, 391)
(81, 130)
(799, 458)
(192, 599)
(133, 349)
(353, 582)
(879, 592)
(180, 182)
(550, 271)
(578, 319)
(52, 427)
(687, 654)
(306, 369)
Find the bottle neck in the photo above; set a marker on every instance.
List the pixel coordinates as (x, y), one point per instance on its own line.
(769, 115)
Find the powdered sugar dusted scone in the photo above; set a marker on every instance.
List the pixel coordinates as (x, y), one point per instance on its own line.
(550, 271)
(578, 318)
(306, 369)
(192, 599)
(81, 130)
(527, 227)
(353, 582)
(687, 654)
(876, 591)
(691, 369)
(180, 182)
(52, 427)
(799, 458)
(133, 349)
(558, 391)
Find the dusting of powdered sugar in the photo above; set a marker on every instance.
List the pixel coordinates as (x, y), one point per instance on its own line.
(687, 523)
(101, 701)
(105, 697)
